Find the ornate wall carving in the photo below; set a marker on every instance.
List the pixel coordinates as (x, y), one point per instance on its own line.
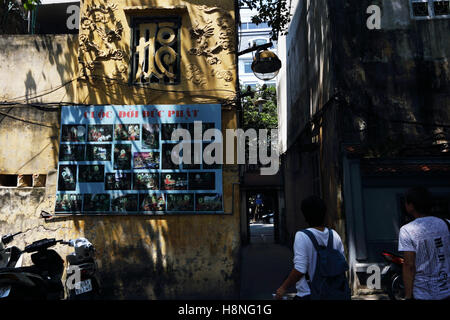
(223, 74)
(222, 31)
(195, 75)
(156, 55)
(100, 32)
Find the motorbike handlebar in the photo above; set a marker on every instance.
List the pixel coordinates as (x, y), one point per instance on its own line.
(41, 245)
(45, 243)
(9, 237)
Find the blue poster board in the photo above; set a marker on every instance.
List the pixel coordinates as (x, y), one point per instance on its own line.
(116, 159)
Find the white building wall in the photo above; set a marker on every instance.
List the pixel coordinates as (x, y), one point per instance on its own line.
(248, 33)
(281, 80)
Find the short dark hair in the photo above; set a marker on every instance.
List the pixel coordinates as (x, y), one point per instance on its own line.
(314, 211)
(420, 198)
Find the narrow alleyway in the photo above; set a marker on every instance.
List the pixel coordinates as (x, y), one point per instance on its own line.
(264, 264)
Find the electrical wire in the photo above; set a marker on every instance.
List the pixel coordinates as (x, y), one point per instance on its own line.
(45, 106)
(27, 120)
(40, 94)
(20, 99)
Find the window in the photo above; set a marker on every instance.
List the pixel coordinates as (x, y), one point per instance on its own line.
(248, 67)
(155, 51)
(23, 180)
(258, 42)
(430, 9)
(8, 180)
(252, 26)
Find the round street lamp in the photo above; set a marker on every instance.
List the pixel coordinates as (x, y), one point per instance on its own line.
(266, 65)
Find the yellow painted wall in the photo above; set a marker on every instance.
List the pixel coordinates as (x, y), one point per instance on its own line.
(143, 257)
(204, 78)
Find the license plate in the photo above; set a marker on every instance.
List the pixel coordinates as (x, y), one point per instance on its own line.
(83, 286)
(4, 291)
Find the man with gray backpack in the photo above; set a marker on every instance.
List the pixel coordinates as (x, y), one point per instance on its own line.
(320, 267)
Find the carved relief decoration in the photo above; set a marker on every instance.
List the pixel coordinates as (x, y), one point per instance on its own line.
(157, 52)
(99, 34)
(223, 74)
(222, 31)
(195, 75)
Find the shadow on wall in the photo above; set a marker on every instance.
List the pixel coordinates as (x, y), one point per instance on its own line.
(139, 258)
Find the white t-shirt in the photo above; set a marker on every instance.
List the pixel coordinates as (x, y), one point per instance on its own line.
(429, 238)
(305, 256)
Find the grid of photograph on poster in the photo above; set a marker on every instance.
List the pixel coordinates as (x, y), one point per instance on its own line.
(117, 159)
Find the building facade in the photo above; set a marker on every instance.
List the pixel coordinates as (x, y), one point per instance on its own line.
(364, 115)
(142, 58)
(251, 34)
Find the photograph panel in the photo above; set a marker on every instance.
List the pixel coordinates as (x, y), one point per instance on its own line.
(117, 181)
(98, 152)
(67, 177)
(146, 160)
(91, 173)
(211, 153)
(71, 152)
(202, 180)
(68, 203)
(195, 157)
(150, 136)
(152, 202)
(180, 202)
(124, 203)
(166, 157)
(169, 128)
(146, 181)
(122, 156)
(127, 132)
(208, 202)
(174, 181)
(96, 203)
(73, 133)
(100, 133)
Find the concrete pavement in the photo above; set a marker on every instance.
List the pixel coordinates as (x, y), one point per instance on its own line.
(264, 265)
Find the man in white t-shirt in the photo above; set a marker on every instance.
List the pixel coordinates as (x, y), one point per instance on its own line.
(425, 243)
(305, 256)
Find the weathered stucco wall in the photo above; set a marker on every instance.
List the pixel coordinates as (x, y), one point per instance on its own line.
(309, 85)
(34, 69)
(390, 82)
(141, 257)
(394, 75)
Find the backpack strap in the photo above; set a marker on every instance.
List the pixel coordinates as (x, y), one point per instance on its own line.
(447, 223)
(312, 238)
(330, 239)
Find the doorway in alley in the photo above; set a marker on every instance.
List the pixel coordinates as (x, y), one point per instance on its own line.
(262, 216)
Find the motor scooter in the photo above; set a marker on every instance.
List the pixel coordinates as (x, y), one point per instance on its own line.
(82, 281)
(9, 256)
(43, 279)
(391, 276)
